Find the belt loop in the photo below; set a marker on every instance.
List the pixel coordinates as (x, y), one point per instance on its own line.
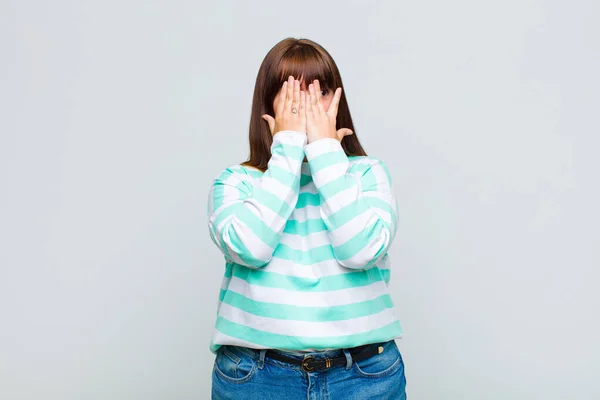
(261, 358)
(348, 358)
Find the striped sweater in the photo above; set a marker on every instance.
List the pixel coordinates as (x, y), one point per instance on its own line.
(305, 246)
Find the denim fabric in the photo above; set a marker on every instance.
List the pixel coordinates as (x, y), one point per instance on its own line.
(246, 374)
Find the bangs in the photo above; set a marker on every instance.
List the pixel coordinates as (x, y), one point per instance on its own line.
(304, 61)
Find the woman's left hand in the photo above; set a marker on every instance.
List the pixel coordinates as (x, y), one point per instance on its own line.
(320, 124)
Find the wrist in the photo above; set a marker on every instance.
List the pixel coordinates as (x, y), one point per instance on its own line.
(316, 137)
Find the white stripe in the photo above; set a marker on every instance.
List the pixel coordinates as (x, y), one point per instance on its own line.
(232, 254)
(341, 200)
(305, 243)
(350, 229)
(322, 146)
(306, 213)
(290, 138)
(275, 187)
(309, 188)
(258, 249)
(366, 254)
(380, 176)
(329, 174)
(384, 263)
(308, 299)
(268, 216)
(219, 337)
(225, 282)
(315, 270)
(390, 200)
(235, 178)
(308, 328)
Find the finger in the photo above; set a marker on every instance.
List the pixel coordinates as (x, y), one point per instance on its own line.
(318, 93)
(302, 104)
(343, 132)
(317, 89)
(282, 98)
(313, 98)
(335, 102)
(290, 91)
(271, 121)
(296, 100)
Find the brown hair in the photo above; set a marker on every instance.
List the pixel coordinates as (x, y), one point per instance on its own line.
(301, 58)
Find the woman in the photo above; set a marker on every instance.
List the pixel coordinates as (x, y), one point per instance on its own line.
(304, 225)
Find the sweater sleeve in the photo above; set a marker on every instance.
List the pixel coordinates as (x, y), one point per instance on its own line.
(246, 217)
(358, 205)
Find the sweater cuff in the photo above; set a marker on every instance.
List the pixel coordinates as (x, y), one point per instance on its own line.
(322, 146)
(291, 138)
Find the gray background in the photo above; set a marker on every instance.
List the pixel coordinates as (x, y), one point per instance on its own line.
(116, 115)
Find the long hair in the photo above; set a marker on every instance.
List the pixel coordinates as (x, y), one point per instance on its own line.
(301, 58)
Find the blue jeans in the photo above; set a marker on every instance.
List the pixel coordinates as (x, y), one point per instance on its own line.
(246, 374)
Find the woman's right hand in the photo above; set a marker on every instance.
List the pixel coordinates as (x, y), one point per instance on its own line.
(288, 100)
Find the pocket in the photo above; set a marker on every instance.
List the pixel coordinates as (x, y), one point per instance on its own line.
(234, 366)
(382, 364)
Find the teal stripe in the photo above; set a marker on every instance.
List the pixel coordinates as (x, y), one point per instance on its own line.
(305, 179)
(227, 173)
(308, 199)
(284, 342)
(305, 257)
(288, 151)
(219, 242)
(227, 212)
(387, 276)
(253, 172)
(304, 228)
(347, 280)
(340, 217)
(358, 168)
(273, 202)
(327, 159)
(303, 313)
(285, 177)
(386, 207)
(258, 227)
(357, 243)
(231, 266)
(368, 180)
(378, 203)
(218, 197)
(218, 194)
(240, 249)
(338, 185)
(219, 200)
(374, 261)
